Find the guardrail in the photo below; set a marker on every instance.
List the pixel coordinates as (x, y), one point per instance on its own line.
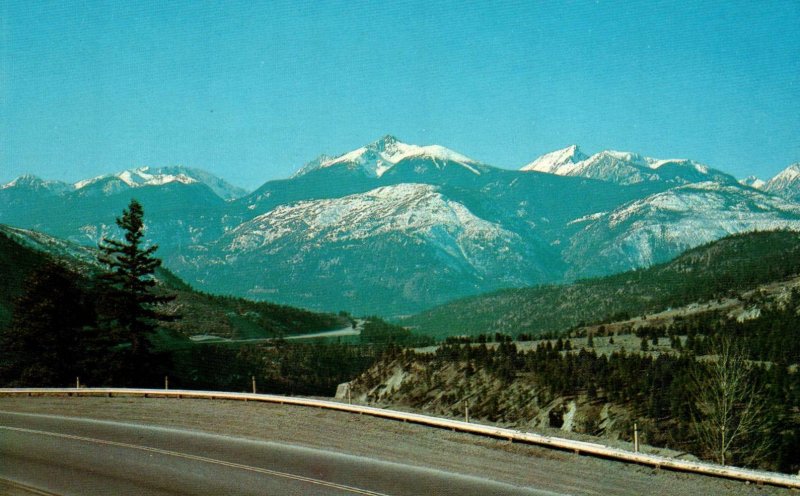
(579, 447)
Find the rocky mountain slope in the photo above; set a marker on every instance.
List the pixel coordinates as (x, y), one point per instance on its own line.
(404, 246)
(656, 228)
(786, 184)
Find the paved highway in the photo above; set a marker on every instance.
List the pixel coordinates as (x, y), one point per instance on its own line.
(67, 455)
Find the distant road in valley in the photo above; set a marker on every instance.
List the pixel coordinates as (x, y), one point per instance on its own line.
(346, 331)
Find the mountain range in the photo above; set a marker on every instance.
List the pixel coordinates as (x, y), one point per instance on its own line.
(393, 228)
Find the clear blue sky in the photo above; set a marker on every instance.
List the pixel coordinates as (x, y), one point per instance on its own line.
(253, 92)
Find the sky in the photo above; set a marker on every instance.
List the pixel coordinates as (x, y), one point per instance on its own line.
(251, 91)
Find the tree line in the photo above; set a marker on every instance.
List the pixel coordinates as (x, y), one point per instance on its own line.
(723, 407)
(66, 324)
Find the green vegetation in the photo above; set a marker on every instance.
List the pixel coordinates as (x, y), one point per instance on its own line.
(118, 327)
(380, 333)
(657, 392)
(771, 337)
(727, 390)
(237, 318)
(202, 313)
(17, 262)
(128, 309)
(708, 272)
(46, 342)
(281, 368)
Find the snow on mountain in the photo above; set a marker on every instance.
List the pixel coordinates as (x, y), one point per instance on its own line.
(414, 209)
(659, 227)
(560, 162)
(786, 183)
(219, 186)
(380, 156)
(393, 228)
(142, 176)
(147, 176)
(753, 182)
(394, 248)
(623, 167)
(34, 183)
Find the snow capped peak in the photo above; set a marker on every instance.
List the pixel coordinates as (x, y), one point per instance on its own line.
(385, 142)
(623, 167)
(29, 181)
(786, 183)
(381, 155)
(159, 176)
(655, 163)
(23, 180)
(144, 176)
(138, 177)
(625, 157)
(559, 160)
(790, 173)
(753, 182)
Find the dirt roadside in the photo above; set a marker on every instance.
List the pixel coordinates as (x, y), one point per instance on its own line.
(393, 441)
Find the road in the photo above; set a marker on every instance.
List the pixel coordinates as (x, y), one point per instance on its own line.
(68, 455)
(346, 331)
(322, 432)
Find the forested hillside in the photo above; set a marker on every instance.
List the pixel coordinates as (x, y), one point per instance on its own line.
(52, 330)
(202, 314)
(679, 383)
(17, 262)
(722, 268)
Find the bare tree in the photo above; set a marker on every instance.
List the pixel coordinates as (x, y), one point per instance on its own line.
(729, 415)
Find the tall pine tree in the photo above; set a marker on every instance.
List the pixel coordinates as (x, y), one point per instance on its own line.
(129, 306)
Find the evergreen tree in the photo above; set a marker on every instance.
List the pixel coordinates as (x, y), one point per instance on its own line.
(129, 306)
(45, 343)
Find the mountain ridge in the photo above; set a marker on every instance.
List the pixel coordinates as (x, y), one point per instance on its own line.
(381, 155)
(623, 167)
(131, 178)
(345, 223)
